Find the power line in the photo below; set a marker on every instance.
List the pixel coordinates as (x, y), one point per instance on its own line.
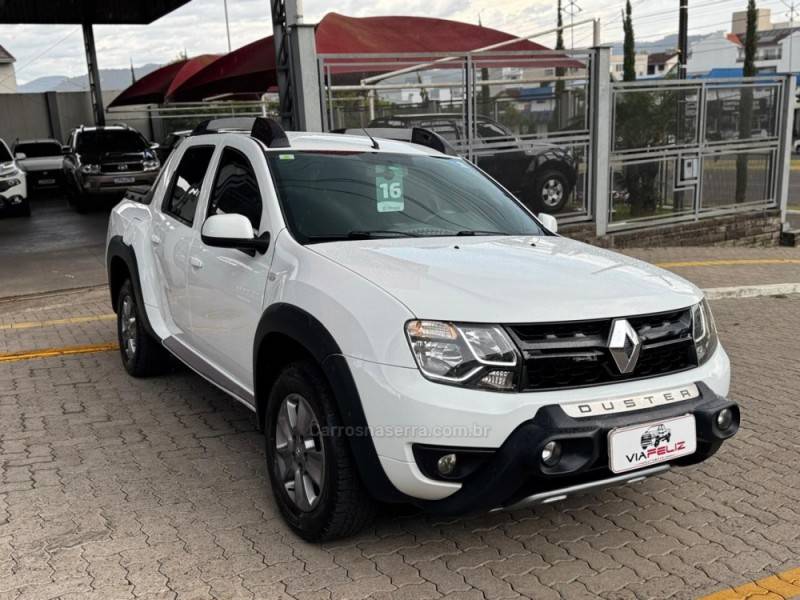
(40, 55)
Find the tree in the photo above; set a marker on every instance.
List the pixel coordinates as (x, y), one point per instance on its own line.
(629, 46)
(746, 98)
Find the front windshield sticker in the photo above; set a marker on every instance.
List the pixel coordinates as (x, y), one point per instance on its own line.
(389, 189)
(286, 156)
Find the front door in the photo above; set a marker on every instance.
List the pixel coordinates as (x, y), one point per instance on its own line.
(226, 285)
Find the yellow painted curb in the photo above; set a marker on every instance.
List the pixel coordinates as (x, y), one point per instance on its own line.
(781, 586)
(50, 352)
(67, 321)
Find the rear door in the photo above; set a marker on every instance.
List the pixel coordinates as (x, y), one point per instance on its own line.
(227, 285)
(174, 230)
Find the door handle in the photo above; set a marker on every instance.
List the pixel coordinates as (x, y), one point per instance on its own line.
(155, 239)
(196, 262)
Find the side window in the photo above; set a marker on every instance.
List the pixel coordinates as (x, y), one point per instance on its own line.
(236, 189)
(181, 199)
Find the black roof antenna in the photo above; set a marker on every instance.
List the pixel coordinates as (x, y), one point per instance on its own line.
(375, 145)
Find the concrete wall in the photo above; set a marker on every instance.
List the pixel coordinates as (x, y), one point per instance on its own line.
(55, 114)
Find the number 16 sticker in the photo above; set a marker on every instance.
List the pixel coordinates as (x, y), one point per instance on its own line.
(389, 190)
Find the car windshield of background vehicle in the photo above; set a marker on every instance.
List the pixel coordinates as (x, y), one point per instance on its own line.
(5, 155)
(110, 141)
(329, 196)
(38, 149)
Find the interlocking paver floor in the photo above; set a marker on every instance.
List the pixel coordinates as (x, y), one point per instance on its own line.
(114, 488)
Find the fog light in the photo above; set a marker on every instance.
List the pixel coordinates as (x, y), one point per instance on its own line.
(551, 453)
(724, 419)
(499, 380)
(446, 464)
(16, 200)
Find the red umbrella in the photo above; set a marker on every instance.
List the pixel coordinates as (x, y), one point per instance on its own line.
(154, 87)
(250, 70)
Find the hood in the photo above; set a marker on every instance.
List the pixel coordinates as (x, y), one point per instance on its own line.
(44, 163)
(511, 279)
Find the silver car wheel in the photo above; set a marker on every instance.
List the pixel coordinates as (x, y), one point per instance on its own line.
(300, 454)
(552, 192)
(127, 327)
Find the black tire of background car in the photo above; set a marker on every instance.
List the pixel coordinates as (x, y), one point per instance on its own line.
(344, 506)
(537, 203)
(150, 357)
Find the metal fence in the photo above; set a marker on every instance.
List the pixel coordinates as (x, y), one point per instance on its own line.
(555, 130)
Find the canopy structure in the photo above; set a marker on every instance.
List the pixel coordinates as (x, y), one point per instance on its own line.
(250, 70)
(78, 12)
(154, 87)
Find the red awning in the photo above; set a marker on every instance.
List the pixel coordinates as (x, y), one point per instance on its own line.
(250, 70)
(154, 87)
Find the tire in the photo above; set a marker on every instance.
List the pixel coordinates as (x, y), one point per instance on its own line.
(25, 209)
(142, 356)
(551, 191)
(332, 502)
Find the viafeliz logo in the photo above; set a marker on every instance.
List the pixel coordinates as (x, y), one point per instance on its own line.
(655, 442)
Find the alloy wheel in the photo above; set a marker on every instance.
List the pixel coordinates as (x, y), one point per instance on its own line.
(300, 454)
(552, 192)
(128, 327)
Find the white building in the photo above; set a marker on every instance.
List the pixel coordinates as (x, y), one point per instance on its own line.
(617, 62)
(8, 77)
(712, 52)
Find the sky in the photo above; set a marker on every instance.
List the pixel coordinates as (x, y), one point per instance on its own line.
(199, 27)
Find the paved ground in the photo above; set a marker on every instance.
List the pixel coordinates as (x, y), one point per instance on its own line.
(116, 488)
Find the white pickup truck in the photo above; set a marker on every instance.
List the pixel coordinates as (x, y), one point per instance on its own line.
(405, 330)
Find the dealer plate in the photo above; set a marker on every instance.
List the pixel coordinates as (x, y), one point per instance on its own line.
(651, 443)
(124, 179)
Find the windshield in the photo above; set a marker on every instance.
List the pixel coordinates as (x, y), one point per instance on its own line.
(5, 155)
(355, 195)
(110, 141)
(38, 149)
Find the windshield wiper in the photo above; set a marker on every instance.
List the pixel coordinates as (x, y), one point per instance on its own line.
(479, 232)
(359, 235)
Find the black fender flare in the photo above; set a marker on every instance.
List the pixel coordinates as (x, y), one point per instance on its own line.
(305, 330)
(117, 249)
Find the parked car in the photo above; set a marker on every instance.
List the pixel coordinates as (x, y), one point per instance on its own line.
(405, 330)
(541, 174)
(43, 161)
(13, 185)
(99, 161)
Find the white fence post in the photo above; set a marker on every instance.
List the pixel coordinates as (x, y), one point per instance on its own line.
(785, 148)
(600, 127)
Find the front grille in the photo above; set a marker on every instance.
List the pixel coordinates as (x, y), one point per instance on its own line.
(122, 167)
(575, 353)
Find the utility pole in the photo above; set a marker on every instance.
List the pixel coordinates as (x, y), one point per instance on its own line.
(227, 25)
(572, 9)
(683, 38)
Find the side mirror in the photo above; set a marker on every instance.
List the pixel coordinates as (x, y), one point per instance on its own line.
(155, 145)
(65, 149)
(549, 221)
(233, 231)
(20, 156)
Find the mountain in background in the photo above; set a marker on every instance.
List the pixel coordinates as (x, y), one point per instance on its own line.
(110, 79)
(665, 44)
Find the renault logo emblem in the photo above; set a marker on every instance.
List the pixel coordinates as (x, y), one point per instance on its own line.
(624, 345)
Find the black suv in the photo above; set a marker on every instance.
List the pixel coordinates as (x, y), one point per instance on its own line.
(540, 174)
(107, 160)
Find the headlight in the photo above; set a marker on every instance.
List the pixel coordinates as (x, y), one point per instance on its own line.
(704, 332)
(463, 354)
(7, 184)
(151, 164)
(90, 169)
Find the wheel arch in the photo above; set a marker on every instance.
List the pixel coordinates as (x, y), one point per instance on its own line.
(286, 333)
(121, 264)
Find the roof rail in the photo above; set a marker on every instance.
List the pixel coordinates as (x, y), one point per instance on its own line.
(268, 131)
(415, 135)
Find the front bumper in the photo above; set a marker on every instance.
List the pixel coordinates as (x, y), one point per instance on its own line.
(115, 183)
(515, 477)
(16, 196)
